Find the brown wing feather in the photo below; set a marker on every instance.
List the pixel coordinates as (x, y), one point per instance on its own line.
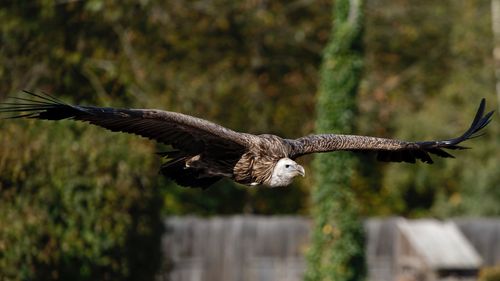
(183, 132)
(389, 150)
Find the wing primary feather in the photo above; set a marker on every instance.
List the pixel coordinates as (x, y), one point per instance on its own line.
(31, 101)
(27, 115)
(53, 98)
(23, 108)
(479, 122)
(45, 97)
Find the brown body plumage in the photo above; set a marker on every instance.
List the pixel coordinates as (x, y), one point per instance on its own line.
(205, 152)
(255, 167)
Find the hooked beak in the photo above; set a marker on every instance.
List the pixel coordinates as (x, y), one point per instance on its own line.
(301, 171)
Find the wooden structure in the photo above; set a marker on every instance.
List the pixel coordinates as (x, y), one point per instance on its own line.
(484, 235)
(243, 248)
(431, 250)
(380, 237)
(252, 248)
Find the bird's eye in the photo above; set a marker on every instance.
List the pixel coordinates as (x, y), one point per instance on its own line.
(287, 166)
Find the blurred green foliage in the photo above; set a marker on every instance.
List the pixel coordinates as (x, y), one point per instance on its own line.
(80, 213)
(218, 60)
(337, 250)
(80, 203)
(428, 64)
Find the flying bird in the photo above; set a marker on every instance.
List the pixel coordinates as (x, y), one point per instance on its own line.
(204, 152)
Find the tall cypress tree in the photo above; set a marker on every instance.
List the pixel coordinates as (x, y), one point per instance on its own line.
(337, 251)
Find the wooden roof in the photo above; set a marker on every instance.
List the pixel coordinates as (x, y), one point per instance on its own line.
(441, 244)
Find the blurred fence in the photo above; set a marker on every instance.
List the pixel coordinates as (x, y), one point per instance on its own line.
(235, 248)
(251, 248)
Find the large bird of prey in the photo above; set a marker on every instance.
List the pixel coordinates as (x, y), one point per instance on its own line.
(206, 152)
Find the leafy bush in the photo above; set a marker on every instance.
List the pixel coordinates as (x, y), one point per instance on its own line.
(76, 205)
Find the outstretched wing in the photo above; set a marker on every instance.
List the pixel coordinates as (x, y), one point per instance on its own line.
(183, 132)
(389, 150)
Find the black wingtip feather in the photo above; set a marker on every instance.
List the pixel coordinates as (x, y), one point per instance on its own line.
(45, 96)
(422, 150)
(39, 106)
(479, 122)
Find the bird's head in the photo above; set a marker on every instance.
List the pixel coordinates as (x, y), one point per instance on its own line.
(284, 171)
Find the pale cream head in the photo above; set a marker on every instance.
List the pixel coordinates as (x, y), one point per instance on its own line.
(284, 171)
